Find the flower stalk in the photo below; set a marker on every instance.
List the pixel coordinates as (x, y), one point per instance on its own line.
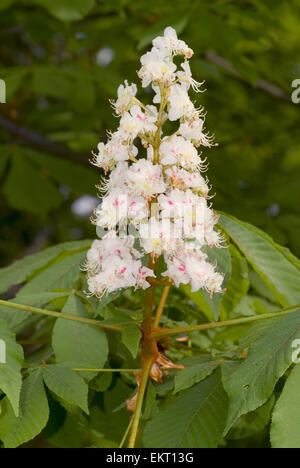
(129, 371)
(161, 306)
(149, 350)
(163, 332)
(61, 315)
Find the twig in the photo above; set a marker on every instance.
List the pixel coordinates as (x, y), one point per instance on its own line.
(126, 434)
(11, 31)
(149, 352)
(270, 88)
(107, 370)
(141, 393)
(161, 306)
(227, 323)
(32, 138)
(53, 314)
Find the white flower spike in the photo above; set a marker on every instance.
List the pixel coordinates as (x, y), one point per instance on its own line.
(158, 192)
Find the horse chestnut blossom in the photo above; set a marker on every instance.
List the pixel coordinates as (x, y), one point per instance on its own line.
(114, 264)
(155, 183)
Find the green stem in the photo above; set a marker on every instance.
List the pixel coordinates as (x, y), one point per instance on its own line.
(141, 393)
(226, 323)
(126, 434)
(53, 314)
(107, 370)
(149, 346)
(161, 306)
(149, 351)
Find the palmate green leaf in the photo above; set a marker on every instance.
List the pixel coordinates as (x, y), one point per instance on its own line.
(79, 345)
(66, 84)
(10, 370)
(7, 3)
(15, 318)
(289, 255)
(68, 10)
(113, 420)
(131, 337)
(254, 331)
(285, 428)
(72, 434)
(238, 284)
(253, 305)
(210, 306)
(253, 422)
(149, 401)
(79, 178)
(194, 419)
(222, 257)
(27, 188)
(63, 274)
(101, 382)
(216, 33)
(199, 301)
(98, 306)
(228, 337)
(251, 384)
(20, 270)
(270, 261)
(197, 371)
(33, 416)
(260, 287)
(67, 385)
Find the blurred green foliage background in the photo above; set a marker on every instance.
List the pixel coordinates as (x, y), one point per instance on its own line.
(63, 59)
